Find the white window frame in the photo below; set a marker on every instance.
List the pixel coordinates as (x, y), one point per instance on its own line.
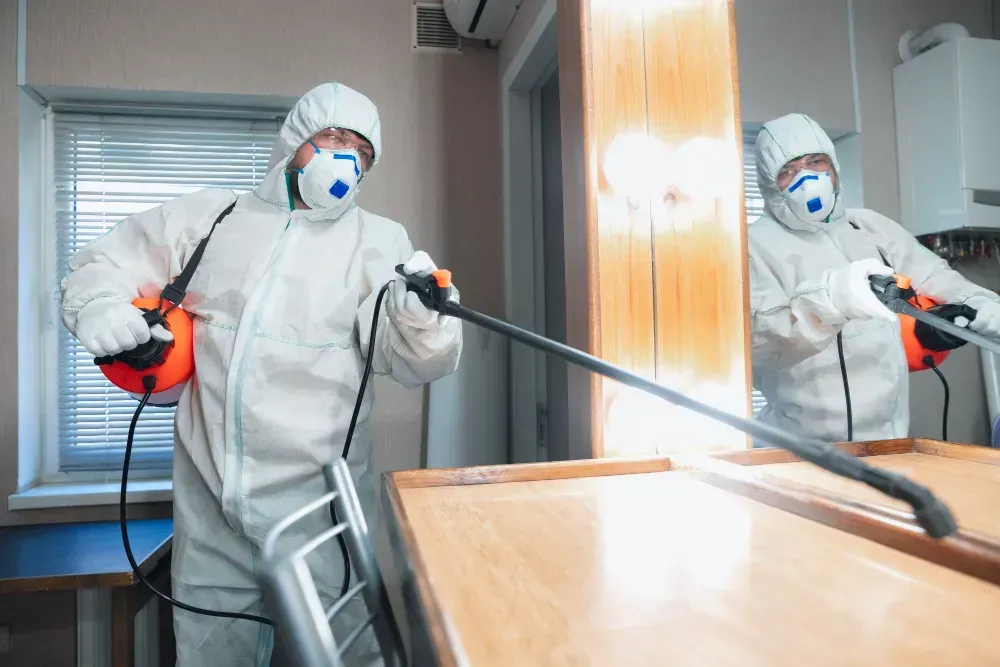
(49, 486)
(51, 320)
(51, 324)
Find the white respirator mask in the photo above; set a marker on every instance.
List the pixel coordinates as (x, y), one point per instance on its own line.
(811, 196)
(330, 180)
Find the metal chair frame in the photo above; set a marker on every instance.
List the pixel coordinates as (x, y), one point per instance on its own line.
(291, 589)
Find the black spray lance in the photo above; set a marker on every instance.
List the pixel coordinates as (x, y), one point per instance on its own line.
(932, 514)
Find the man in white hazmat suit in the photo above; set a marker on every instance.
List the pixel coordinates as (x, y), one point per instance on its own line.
(283, 301)
(810, 263)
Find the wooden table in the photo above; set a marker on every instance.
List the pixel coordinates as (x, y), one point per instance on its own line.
(623, 563)
(966, 477)
(90, 555)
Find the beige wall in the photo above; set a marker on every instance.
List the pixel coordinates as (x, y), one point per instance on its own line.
(440, 118)
(794, 55)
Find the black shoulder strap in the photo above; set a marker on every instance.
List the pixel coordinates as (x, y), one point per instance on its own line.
(884, 260)
(176, 290)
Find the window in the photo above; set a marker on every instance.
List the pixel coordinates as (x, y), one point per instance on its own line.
(104, 168)
(755, 207)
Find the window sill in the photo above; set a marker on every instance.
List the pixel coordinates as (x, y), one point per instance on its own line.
(76, 494)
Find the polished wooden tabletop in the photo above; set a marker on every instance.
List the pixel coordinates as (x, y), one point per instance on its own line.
(80, 555)
(659, 568)
(970, 488)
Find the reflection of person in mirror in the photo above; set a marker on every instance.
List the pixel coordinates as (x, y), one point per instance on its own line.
(817, 327)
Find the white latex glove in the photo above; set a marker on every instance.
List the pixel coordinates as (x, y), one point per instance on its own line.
(987, 320)
(407, 307)
(851, 293)
(108, 326)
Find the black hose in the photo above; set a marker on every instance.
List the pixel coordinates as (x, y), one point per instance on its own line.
(346, 583)
(150, 383)
(368, 369)
(847, 387)
(947, 397)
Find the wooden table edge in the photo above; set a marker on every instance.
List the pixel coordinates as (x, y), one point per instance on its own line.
(427, 624)
(527, 472)
(768, 456)
(952, 450)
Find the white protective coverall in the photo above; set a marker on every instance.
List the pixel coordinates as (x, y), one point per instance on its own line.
(283, 303)
(796, 364)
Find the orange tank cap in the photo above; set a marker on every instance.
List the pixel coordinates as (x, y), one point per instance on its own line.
(442, 277)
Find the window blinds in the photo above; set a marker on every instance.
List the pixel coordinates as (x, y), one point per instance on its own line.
(107, 167)
(754, 208)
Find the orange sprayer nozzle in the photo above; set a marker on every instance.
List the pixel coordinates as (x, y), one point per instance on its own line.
(903, 282)
(442, 277)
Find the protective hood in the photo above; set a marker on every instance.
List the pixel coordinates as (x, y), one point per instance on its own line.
(327, 105)
(789, 138)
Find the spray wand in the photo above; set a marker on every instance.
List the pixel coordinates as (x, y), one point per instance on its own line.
(434, 291)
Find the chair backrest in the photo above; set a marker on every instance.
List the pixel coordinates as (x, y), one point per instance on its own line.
(292, 591)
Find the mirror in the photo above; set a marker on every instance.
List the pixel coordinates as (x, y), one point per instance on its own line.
(921, 160)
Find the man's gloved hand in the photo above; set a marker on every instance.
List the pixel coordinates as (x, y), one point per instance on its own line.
(987, 320)
(407, 307)
(107, 327)
(851, 292)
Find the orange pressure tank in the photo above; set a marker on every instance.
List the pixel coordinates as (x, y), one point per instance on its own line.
(171, 368)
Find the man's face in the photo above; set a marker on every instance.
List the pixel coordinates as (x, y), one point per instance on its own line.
(333, 138)
(812, 162)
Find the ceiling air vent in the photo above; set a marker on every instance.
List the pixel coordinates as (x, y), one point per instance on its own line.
(432, 33)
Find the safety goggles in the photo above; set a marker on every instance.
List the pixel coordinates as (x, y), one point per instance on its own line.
(335, 138)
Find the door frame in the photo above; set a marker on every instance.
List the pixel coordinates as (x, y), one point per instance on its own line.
(528, 70)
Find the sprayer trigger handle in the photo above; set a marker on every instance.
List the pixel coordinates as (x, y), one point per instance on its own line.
(888, 290)
(428, 288)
